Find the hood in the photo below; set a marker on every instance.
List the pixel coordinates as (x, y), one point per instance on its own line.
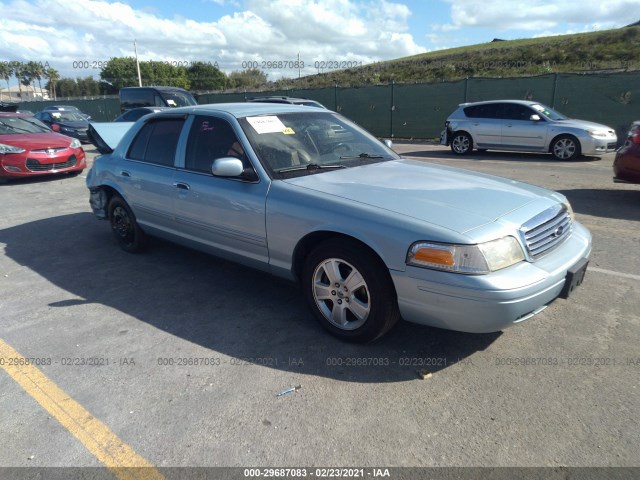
(458, 199)
(36, 141)
(583, 124)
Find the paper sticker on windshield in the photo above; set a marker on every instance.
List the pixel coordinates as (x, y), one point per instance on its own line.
(268, 124)
(288, 131)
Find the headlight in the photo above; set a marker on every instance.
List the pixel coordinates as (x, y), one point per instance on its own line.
(10, 149)
(598, 133)
(569, 210)
(468, 259)
(75, 143)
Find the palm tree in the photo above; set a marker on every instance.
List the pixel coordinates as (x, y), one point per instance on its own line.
(6, 72)
(36, 71)
(53, 76)
(17, 72)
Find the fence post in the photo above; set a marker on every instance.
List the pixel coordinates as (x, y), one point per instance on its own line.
(393, 107)
(335, 98)
(553, 96)
(466, 86)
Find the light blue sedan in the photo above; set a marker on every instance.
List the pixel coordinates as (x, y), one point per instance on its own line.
(307, 195)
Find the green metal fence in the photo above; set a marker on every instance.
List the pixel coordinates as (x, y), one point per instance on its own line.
(419, 110)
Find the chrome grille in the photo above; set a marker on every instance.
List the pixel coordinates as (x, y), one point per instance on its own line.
(35, 166)
(546, 231)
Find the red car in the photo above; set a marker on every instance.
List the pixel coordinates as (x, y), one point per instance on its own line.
(28, 147)
(626, 166)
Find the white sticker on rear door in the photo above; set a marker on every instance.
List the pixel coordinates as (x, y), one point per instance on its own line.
(268, 124)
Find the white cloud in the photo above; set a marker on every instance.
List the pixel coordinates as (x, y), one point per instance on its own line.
(540, 14)
(96, 30)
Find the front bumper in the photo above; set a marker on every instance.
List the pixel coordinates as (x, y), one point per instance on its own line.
(598, 146)
(488, 303)
(37, 163)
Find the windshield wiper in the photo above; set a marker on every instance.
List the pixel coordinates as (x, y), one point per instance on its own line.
(362, 155)
(310, 166)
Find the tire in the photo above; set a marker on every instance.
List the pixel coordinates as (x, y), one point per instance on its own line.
(349, 291)
(565, 147)
(461, 143)
(125, 229)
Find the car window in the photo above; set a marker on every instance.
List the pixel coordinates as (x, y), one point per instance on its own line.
(515, 111)
(16, 125)
(64, 116)
(307, 143)
(487, 110)
(548, 112)
(156, 142)
(211, 138)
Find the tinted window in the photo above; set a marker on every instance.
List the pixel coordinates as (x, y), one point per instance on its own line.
(211, 138)
(488, 110)
(135, 97)
(514, 111)
(157, 141)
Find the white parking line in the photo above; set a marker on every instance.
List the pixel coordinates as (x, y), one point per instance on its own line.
(617, 274)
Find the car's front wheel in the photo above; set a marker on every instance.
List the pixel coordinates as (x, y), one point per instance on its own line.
(126, 230)
(461, 143)
(350, 291)
(565, 147)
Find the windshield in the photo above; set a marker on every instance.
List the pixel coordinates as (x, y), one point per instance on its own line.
(293, 144)
(550, 113)
(67, 117)
(14, 125)
(178, 99)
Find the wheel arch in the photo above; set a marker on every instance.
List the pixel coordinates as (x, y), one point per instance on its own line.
(313, 239)
(100, 196)
(564, 134)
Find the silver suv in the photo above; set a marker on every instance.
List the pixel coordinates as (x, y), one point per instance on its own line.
(524, 126)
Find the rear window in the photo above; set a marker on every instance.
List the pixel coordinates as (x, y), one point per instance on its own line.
(157, 141)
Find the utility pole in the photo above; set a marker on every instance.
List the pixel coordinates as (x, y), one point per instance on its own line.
(135, 48)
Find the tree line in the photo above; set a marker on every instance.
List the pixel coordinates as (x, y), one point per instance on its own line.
(122, 72)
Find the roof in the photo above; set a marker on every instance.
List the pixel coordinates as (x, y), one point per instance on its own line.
(245, 109)
(521, 102)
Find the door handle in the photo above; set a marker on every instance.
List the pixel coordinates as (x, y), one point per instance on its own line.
(124, 173)
(182, 186)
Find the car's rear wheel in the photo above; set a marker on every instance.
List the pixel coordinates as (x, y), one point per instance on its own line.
(565, 147)
(350, 291)
(126, 230)
(461, 143)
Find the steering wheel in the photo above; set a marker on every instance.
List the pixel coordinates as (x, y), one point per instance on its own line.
(345, 146)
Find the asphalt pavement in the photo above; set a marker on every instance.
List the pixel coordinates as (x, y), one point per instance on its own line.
(180, 357)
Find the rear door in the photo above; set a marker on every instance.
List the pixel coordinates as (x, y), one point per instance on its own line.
(485, 124)
(147, 173)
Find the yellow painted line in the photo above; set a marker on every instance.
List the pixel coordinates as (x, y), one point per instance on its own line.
(105, 445)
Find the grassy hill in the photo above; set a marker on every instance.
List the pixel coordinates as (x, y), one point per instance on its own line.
(603, 51)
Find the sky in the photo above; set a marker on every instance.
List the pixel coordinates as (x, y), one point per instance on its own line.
(284, 38)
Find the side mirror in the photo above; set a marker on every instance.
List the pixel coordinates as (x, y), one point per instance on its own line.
(227, 167)
(388, 143)
(55, 127)
(534, 118)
